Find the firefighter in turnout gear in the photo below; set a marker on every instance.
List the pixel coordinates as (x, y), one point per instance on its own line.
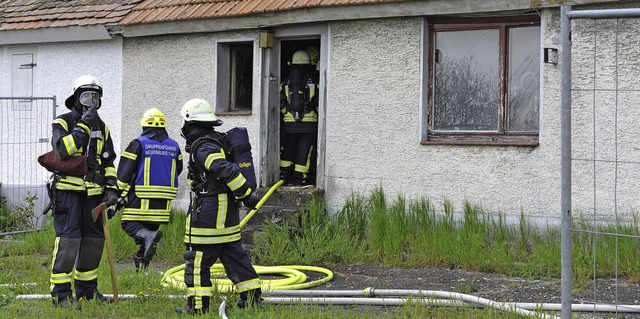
(79, 240)
(299, 114)
(212, 231)
(148, 182)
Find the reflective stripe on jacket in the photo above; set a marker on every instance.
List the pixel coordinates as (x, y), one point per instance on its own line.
(157, 173)
(71, 138)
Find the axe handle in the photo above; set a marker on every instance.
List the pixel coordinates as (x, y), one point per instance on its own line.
(112, 268)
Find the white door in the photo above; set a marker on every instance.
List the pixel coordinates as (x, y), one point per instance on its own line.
(22, 83)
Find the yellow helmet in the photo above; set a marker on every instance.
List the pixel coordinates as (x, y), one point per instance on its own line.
(153, 118)
(300, 57)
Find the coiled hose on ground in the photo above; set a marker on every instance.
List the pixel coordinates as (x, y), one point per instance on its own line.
(293, 277)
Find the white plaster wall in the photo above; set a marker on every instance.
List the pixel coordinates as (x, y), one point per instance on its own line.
(373, 118)
(373, 137)
(605, 117)
(373, 126)
(167, 71)
(59, 64)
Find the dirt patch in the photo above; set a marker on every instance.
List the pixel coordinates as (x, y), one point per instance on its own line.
(486, 285)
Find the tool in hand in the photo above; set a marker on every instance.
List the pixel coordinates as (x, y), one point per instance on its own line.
(111, 211)
(95, 213)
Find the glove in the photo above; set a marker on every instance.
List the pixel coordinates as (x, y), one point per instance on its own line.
(110, 196)
(91, 119)
(110, 213)
(251, 201)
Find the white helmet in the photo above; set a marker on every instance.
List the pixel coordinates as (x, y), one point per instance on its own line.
(300, 57)
(85, 83)
(199, 110)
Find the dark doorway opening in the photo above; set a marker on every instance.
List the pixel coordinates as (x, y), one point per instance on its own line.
(299, 65)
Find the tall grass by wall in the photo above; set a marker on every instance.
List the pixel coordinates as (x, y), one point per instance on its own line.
(418, 233)
(372, 229)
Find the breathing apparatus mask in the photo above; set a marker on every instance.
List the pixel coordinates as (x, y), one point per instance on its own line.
(89, 99)
(184, 131)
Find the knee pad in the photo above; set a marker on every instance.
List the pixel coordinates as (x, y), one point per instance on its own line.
(65, 257)
(90, 253)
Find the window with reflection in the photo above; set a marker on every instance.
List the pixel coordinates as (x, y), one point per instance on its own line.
(484, 81)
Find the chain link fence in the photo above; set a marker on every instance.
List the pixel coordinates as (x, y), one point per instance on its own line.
(600, 157)
(25, 133)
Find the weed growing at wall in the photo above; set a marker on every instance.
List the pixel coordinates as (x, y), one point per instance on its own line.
(17, 217)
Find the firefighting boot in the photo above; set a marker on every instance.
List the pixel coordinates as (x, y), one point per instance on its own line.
(150, 239)
(102, 298)
(297, 178)
(140, 263)
(138, 259)
(190, 309)
(250, 298)
(67, 302)
(286, 175)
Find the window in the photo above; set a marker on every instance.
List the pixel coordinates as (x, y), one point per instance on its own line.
(235, 77)
(484, 81)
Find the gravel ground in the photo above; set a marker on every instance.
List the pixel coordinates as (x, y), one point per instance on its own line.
(486, 285)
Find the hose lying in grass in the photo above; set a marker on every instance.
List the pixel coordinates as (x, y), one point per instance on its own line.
(293, 279)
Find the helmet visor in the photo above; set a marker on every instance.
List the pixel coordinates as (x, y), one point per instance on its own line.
(89, 99)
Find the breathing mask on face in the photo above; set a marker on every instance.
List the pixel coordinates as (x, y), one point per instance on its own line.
(89, 99)
(184, 131)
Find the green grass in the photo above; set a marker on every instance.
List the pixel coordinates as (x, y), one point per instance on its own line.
(368, 230)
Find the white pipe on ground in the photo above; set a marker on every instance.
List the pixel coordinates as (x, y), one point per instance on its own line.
(365, 297)
(26, 284)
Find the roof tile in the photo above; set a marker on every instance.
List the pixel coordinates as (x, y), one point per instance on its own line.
(29, 14)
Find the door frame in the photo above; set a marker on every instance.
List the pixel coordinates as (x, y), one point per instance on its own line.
(270, 114)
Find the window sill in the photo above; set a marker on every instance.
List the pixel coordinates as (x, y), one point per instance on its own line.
(230, 113)
(530, 140)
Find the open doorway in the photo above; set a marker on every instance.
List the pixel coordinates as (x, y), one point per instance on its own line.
(299, 99)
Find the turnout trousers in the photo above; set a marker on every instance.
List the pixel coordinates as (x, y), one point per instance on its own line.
(78, 245)
(297, 156)
(197, 273)
(143, 214)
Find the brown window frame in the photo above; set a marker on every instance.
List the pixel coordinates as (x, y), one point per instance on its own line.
(228, 54)
(502, 136)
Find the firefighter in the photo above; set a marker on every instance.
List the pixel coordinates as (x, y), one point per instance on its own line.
(211, 230)
(148, 182)
(299, 117)
(79, 240)
(314, 59)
